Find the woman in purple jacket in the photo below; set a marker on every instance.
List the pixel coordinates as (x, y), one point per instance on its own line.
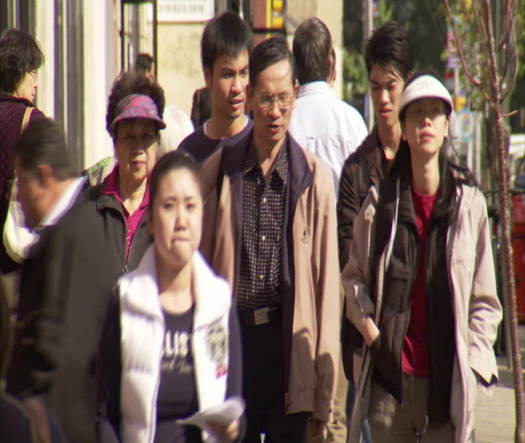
(20, 58)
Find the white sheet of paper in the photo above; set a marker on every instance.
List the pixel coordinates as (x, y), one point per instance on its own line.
(229, 410)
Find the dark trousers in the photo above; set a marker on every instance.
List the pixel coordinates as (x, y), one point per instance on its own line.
(263, 387)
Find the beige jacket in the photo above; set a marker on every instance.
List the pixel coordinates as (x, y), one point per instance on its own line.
(316, 301)
(477, 311)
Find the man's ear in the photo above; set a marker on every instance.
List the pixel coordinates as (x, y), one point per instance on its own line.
(208, 77)
(45, 176)
(331, 70)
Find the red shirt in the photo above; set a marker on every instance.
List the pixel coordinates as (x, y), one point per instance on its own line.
(414, 357)
(111, 187)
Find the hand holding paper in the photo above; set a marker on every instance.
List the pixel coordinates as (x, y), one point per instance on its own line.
(218, 419)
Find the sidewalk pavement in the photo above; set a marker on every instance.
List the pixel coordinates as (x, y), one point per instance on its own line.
(496, 414)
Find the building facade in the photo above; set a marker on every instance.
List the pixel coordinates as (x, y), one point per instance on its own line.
(88, 42)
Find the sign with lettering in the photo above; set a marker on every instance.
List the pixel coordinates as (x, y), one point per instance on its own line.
(185, 10)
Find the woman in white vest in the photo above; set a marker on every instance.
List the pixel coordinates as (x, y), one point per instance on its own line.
(171, 346)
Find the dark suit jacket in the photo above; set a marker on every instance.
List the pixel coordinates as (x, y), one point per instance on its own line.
(66, 286)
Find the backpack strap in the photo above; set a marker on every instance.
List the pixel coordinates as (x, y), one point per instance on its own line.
(25, 119)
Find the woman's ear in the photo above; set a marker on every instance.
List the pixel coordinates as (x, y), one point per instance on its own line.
(447, 126)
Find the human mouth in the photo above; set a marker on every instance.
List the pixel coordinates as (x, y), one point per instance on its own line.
(384, 112)
(274, 129)
(426, 136)
(138, 164)
(236, 103)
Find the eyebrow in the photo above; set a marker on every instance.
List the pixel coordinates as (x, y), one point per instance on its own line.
(172, 198)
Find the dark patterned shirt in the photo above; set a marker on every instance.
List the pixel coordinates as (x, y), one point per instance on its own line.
(263, 208)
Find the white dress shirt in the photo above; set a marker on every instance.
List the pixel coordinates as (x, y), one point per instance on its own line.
(326, 126)
(63, 203)
(18, 239)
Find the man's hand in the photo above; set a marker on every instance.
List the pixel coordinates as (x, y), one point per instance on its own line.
(318, 427)
(38, 418)
(370, 331)
(224, 433)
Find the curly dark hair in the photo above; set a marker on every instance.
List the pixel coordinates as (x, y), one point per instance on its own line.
(19, 54)
(132, 82)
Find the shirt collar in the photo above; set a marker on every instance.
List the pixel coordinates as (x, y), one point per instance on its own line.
(111, 187)
(280, 165)
(318, 87)
(63, 203)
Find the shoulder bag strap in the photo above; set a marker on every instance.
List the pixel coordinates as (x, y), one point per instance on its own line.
(25, 119)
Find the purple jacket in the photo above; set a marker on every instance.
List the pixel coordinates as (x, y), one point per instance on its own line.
(11, 114)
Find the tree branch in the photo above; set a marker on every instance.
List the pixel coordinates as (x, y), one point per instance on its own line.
(460, 49)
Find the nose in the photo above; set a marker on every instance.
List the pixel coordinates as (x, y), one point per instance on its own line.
(274, 111)
(384, 96)
(237, 85)
(427, 120)
(180, 218)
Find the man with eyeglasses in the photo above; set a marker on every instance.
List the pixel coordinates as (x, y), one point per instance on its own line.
(270, 208)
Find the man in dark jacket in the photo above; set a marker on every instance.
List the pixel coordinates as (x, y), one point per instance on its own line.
(65, 289)
(389, 63)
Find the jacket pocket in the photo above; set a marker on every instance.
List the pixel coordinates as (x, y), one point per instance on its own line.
(396, 290)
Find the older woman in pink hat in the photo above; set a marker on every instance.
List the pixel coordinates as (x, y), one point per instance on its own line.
(420, 282)
(134, 119)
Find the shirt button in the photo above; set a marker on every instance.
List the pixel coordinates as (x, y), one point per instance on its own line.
(263, 237)
(264, 200)
(261, 277)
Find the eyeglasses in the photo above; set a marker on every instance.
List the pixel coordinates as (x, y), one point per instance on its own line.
(266, 101)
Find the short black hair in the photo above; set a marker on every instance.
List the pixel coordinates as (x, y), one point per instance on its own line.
(19, 54)
(312, 46)
(390, 45)
(44, 143)
(132, 82)
(268, 53)
(226, 35)
(144, 62)
(171, 161)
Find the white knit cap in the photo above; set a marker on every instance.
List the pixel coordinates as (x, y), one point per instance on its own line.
(425, 86)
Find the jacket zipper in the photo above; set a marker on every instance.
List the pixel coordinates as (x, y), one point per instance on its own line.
(407, 323)
(153, 409)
